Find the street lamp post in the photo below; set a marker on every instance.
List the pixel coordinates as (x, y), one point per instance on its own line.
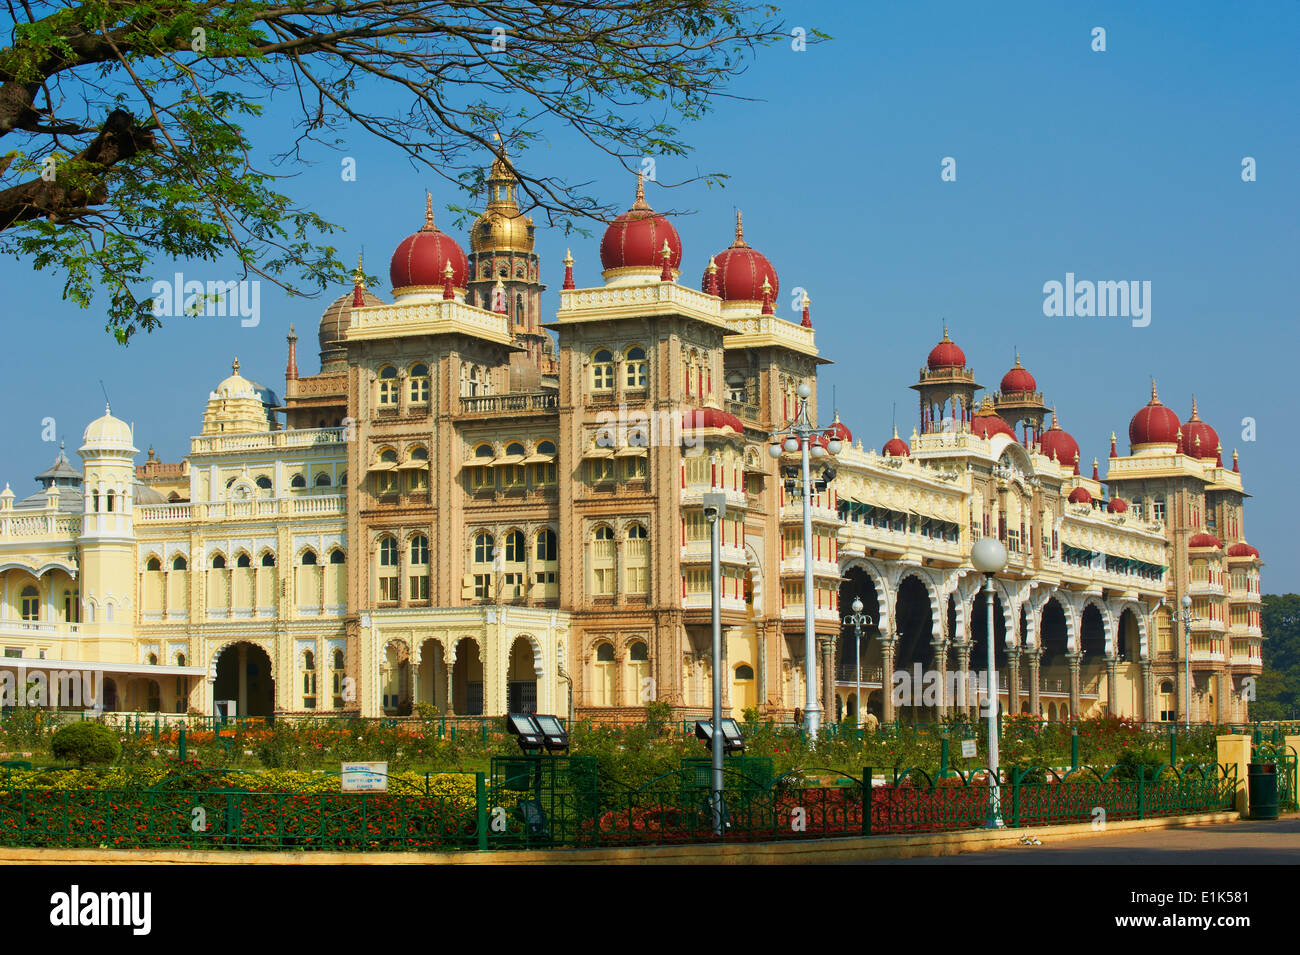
(715, 509)
(857, 620)
(798, 436)
(989, 556)
(1186, 617)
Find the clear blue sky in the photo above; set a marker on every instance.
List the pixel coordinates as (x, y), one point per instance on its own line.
(1117, 165)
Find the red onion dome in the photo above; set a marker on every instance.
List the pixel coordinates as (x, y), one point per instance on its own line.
(1116, 505)
(1204, 540)
(1080, 495)
(741, 271)
(1242, 549)
(1196, 429)
(1154, 424)
(1018, 379)
(840, 430)
(422, 257)
(896, 447)
(986, 422)
(946, 354)
(1059, 442)
(706, 418)
(636, 238)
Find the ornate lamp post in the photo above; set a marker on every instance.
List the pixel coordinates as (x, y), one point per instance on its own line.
(1185, 615)
(798, 436)
(858, 620)
(989, 556)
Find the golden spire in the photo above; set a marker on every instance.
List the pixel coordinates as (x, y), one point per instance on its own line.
(640, 193)
(713, 265)
(807, 302)
(234, 367)
(568, 256)
(1193, 418)
(428, 213)
(359, 274)
(739, 242)
(1154, 397)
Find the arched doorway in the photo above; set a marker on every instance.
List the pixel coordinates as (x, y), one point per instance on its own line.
(244, 675)
(1129, 693)
(1092, 660)
(431, 676)
(914, 626)
(521, 678)
(395, 678)
(979, 653)
(467, 679)
(859, 585)
(1053, 670)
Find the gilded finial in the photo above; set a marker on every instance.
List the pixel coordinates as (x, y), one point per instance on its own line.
(713, 265)
(359, 276)
(428, 213)
(568, 256)
(640, 193)
(447, 271)
(807, 302)
(234, 366)
(1193, 407)
(739, 242)
(1154, 396)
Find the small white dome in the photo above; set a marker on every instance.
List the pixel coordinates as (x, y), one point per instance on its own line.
(107, 433)
(236, 386)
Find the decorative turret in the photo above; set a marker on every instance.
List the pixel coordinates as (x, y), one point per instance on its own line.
(947, 389)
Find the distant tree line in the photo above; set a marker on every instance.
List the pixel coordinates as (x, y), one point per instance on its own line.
(1277, 691)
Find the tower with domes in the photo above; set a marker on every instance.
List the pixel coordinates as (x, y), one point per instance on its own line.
(107, 539)
(1020, 403)
(947, 389)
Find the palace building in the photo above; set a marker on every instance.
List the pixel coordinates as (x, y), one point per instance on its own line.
(471, 507)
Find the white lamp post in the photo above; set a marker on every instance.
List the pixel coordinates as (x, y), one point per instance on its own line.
(797, 436)
(857, 619)
(1186, 617)
(989, 556)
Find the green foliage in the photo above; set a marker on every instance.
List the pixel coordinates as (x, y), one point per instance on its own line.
(1144, 759)
(1277, 689)
(87, 742)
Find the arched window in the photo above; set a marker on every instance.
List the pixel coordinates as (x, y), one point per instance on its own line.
(336, 679)
(418, 588)
(322, 480)
(513, 472)
(337, 556)
(544, 470)
(602, 561)
(153, 563)
(343, 479)
(419, 384)
(605, 653)
(218, 562)
(515, 548)
(603, 688)
(635, 367)
(388, 387)
(602, 370)
(545, 551)
(243, 561)
(30, 602)
(637, 556)
(71, 607)
(484, 548)
(481, 477)
(418, 469)
(263, 482)
(309, 680)
(744, 672)
(153, 659)
(297, 481)
(178, 563)
(180, 659)
(386, 478)
(268, 559)
(388, 569)
(308, 558)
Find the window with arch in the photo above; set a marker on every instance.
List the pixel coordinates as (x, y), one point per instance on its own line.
(297, 481)
(153, 563)
(110, 501)
(602, 370)
(418, 586)
(418, 469)
(308, 680)
(308, 558)
(602, 561)
(336, 678)
(637, 556)
(603, 685)
(323, 480)
(546, 556)
(30, 603)
(638, 672)
(515, 549)
(513, 473)
(418, 387)
(178, 563)
(386, 472)
(744, 672)
(218, 562)
(268, 559)
(484, 548)
(388, 561)
(736, 387)
(180, 659)
(337, 556)
(263, 482)
(71, 607)
(544, 470)
(388, 394)
(343, 479)
(243, 560)
(481, 477)
(635, 467)
(95, 496)
(634, 368)
(482, 555)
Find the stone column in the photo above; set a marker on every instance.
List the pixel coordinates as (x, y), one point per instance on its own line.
(1035, 682)
(970, 710)
(939, 656)
(828, 678)
(1148, 693)
(1112, 683)
(1072, 659)
(1013, 681)
(887, 681)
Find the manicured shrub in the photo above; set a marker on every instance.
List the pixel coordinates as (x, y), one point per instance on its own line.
(86, 742)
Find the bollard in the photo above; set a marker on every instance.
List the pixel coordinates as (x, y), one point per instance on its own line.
(1074, 747)
(181, 743)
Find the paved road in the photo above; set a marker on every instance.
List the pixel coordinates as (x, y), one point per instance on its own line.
(1241, 843)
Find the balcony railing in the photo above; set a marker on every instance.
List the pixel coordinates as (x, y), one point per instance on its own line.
(522, 401)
